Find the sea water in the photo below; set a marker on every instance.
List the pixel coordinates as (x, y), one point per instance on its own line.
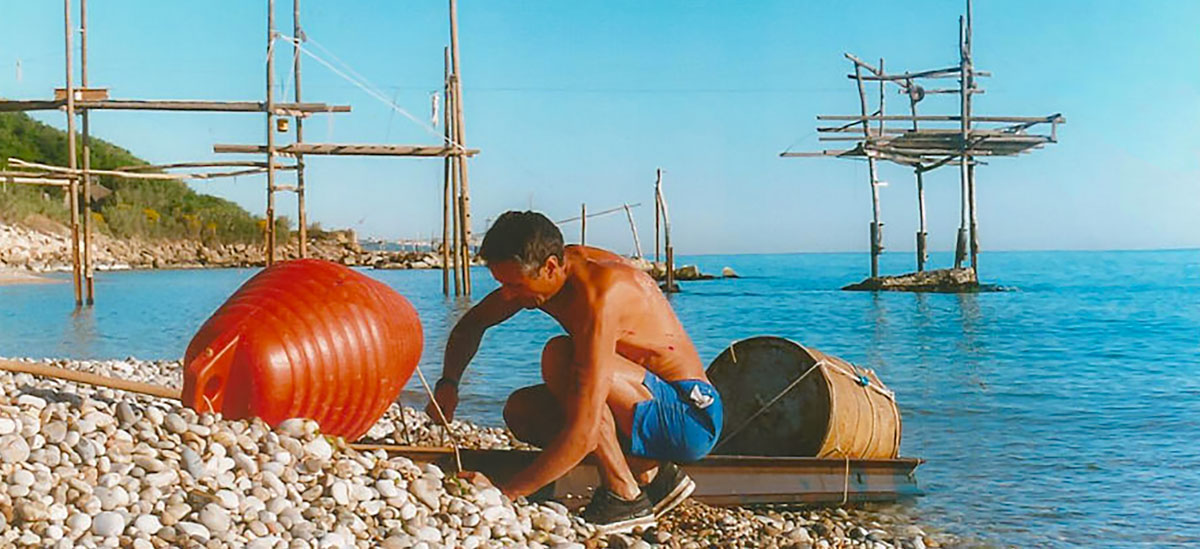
(1065, 412)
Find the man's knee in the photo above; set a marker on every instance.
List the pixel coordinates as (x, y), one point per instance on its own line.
(556, 357)
(526, 413)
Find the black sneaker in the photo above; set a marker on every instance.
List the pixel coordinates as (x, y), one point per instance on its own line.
(670, 487)
(612, 515)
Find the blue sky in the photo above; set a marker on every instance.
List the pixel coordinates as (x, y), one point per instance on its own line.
(576, 102)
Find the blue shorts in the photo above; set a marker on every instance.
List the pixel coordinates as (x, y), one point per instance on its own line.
(681, 422)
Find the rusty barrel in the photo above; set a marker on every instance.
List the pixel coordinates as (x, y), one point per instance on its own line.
(305, 338)
(784, 399)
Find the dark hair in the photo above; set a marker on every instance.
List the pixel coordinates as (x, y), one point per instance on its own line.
(529, 238)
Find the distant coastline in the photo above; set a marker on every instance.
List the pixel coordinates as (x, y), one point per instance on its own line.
(43, 246)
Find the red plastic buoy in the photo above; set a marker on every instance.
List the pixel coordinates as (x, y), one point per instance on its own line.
(305, 338)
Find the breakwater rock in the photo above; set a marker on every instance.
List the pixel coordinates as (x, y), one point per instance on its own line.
(939, 280)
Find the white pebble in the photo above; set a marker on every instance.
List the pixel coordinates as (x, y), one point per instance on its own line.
(108, 524)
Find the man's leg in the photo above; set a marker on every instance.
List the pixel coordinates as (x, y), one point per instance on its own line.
(535, 415)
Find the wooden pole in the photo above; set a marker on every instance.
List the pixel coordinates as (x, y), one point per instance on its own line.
(88, 275)
(455, 185)
(45, 370)
(658, 211)
(460, 138)
(73, 199)
(875, 244)
(583, 224)
(968, 77)
(670, 251)
(974, 224)
(637, 244)
(960, 247)
(301, 211)
(922, 235)
(447, 188)
(270, 253)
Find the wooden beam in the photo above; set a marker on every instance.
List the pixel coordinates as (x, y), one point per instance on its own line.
(347, 149)
(943, 118)
(281, 109)
(846, 152)
(68, 173)
(936, 73)
(26, 180)
(213, 164)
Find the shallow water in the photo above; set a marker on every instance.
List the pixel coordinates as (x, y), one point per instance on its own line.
(1064, 413)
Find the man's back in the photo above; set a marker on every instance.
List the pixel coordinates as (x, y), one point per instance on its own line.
(607, 288)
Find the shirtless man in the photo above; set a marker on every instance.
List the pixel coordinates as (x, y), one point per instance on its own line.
(625, 383)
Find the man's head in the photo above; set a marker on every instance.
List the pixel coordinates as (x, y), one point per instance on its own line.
(524, 251)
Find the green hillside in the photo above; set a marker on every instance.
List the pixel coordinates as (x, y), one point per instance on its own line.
(135, 208)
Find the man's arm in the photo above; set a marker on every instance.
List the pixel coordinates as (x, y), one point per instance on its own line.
(462, 344)
(595, 348)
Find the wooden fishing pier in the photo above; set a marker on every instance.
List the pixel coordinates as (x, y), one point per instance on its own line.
(926, 142)
(77, 177)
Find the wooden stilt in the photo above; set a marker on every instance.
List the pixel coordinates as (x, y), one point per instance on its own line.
(968, 79)
(658, 211)
(270, 229)
(460, 138)
(456, 190)
(447, 188)
(922, 255)
(670, 251)
(73, 199)
(876, 245)
(974, 225)
(670, 288)
(301, 209)
(960, 249)
(88, 274)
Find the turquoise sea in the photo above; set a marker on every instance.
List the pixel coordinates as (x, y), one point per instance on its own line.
(1065, 412)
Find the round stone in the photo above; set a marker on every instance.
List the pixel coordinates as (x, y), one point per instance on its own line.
(13, 449)
(108, 524)
(215, 518)
(148, 524)
(79, 523)
(318, 448)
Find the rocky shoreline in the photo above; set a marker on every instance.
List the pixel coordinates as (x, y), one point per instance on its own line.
(45, 246)
(87, 466)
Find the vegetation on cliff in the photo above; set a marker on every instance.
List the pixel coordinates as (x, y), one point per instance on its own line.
(134, 208)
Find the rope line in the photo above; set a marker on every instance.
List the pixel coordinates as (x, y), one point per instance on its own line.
(370, 89)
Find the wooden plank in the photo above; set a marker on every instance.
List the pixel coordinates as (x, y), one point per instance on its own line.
(347, 149)
(720, 480)
(212, 164)
(281, 109)
(83, 93)
(25, 180)
(943, 118)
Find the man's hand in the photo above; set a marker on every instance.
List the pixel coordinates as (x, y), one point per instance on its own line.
(446, 396)
(481, 482)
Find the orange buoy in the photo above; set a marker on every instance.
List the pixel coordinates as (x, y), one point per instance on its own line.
(305, 338)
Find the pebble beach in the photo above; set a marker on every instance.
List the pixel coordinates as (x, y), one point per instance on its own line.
(83, 466)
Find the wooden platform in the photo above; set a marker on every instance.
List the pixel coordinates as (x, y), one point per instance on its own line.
(720, 480)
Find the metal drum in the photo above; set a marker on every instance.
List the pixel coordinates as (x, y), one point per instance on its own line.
(305, 338)
(783, 399)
